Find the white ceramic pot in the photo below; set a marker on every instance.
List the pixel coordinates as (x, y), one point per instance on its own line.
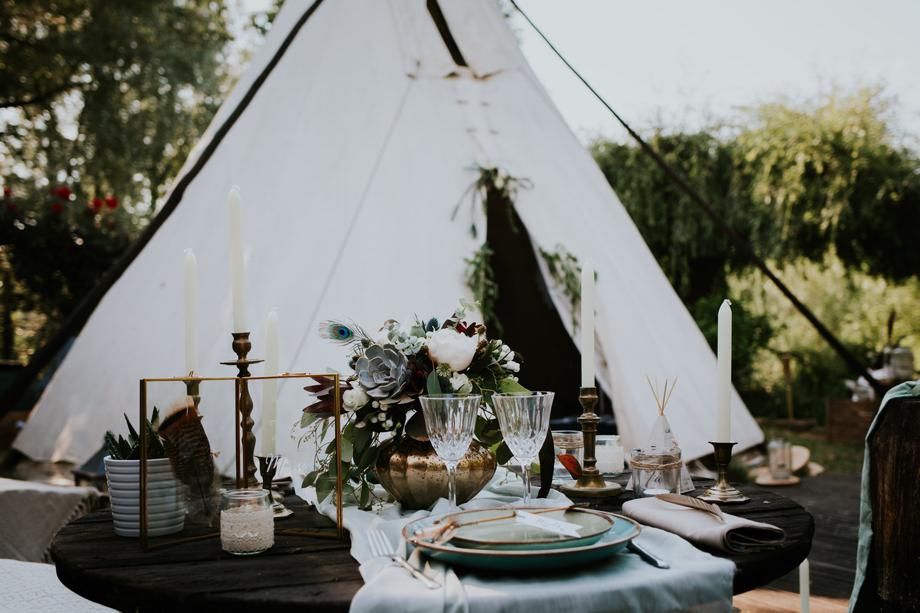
(165, 498)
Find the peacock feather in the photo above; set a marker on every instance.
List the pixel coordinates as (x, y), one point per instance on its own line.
(344, 334)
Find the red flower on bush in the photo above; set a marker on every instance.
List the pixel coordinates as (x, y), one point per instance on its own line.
(64, 193)
(97, 203)
(7, 192)
(111, 202)
(57, 207)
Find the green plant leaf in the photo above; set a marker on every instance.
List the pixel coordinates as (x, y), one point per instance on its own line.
(510, 386)
(434, 385)
(308, 418)
(325, 485)
(114, 448)
(364, 499)
(310, 479)
(503, 454)
(132, 433)
(367, 460)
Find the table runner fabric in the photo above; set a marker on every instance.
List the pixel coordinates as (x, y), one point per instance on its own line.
(861, 599)
(32, 513)
(735, 535)
(623, 582)
(29, 587)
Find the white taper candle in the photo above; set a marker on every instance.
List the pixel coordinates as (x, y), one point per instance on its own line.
(724, 383)
(587, 324)
(270, 386)
(234, 208)
(191, 312)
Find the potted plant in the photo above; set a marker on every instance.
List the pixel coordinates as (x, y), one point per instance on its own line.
(165, 500)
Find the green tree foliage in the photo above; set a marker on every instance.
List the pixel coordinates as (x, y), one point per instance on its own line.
(104, 98)
(798, 183)
(831, 175)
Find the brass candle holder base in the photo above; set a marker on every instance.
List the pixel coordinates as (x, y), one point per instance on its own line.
(267, 467)
(722, 492)
(590, 484)
(247, 442)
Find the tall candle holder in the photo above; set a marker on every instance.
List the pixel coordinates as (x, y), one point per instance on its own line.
(722, 492)
(268, 466)
(590, 484)
(247, 442)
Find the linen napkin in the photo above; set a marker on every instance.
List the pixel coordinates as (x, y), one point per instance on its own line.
(734, 535)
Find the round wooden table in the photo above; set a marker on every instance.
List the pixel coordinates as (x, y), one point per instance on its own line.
(317, 574)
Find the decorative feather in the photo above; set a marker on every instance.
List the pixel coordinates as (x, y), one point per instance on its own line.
(343, 334)
(192, 461)
(693, 503)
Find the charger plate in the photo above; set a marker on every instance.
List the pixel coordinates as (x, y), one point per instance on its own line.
(611, 542)
(501, 531)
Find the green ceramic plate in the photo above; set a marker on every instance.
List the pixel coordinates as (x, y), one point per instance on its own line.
(504, 532)
(612, 541)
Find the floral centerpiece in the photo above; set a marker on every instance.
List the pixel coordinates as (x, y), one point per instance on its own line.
(391, 369)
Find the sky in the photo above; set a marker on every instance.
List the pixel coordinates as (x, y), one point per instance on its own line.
(682, 62)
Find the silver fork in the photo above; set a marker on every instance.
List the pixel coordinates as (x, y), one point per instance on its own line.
(381, 546)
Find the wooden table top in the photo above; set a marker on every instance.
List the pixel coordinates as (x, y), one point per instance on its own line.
(311, 573)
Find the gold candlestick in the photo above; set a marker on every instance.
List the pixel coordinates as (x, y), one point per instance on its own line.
(268, 465)
(590, 484)
(722, 492)
(241, 347)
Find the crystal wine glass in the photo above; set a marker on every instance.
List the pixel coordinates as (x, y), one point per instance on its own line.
(449, 419)
(524, 420)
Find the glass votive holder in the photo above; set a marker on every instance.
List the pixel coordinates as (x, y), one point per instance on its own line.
(569, 442)
(779, 452)
(247, 522)
(609, 453)
(656, 470)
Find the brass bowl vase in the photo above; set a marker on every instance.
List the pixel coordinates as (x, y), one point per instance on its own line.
(415, 476)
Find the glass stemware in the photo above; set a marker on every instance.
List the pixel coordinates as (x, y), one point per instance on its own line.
(524, 420)
(450, 419)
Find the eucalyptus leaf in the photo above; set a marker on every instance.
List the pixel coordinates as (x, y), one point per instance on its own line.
(434, 385)
(310, 479)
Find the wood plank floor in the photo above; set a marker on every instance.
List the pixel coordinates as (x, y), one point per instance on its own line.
(833, 500)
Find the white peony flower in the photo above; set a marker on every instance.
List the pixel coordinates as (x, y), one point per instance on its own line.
(460, 383)
(354, 399)
(447, 346)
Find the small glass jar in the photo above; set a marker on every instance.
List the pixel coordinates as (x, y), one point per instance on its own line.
(609, 453)
(779, 452)
(247, 523)
(569, 442)
(656, 470)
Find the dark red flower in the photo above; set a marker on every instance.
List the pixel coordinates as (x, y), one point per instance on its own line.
(111, 202)
(64, 193)
(7, 192)
(57, 207)
(11, 207)
(97, 203)
(325, 401)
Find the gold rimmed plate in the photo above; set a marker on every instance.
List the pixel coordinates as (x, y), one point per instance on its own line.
(499, 529)
(621, 532)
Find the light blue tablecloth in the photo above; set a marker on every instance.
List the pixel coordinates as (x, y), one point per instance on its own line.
(867, 602)
(622, 582)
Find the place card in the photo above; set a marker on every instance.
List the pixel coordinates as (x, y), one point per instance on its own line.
(545, 523)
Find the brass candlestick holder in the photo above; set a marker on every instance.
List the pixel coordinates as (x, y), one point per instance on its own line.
(590, 484)
(268, 465)
(722, 492)
(247, 442)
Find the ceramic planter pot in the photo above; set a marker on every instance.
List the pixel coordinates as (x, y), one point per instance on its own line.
(413, 473)
(165, 498)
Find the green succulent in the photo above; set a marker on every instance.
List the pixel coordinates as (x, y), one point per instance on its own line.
(121, 449)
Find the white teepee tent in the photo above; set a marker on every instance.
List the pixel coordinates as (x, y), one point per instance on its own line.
(352, 135)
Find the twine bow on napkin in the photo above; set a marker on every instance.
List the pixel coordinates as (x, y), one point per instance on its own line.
(704, 527)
